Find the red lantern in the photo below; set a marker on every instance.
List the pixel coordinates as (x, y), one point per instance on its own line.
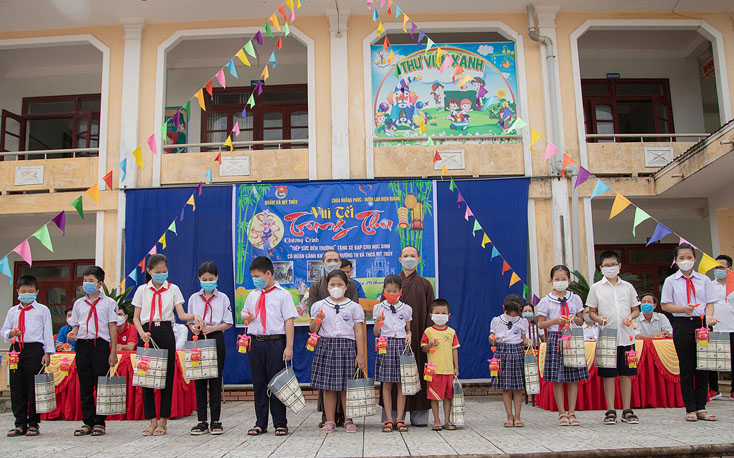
(67, 347)
(381, 346)
(13, 359)
(494, 367)
(195, 357)
(631, 358)
(429, 372)
(702, 336)
(243, 343)
(313, 339)
(64, 367)
(142, 366)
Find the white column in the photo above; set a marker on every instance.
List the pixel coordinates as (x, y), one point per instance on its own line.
(339, 94)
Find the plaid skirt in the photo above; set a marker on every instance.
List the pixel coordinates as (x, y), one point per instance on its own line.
(387, 366)
(512, 367)
(554, 370)
(333, 363)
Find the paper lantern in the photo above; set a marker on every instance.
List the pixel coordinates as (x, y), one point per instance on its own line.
(417, 224)
(313, 339)
(410, 201)
(143, 365)
(631, 358)
(429, 372)
(403, 214)
(381, 346)
(13, 359)
(243, 343)
(494, 367)
(702, 336)
(64, 367)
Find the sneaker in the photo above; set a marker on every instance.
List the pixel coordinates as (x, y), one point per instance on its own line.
(716, 396)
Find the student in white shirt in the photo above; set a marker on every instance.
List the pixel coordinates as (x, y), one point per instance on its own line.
(724, 312)
(269, 314)
(591, 329)
(613, 302)
(94, 328)
(154, 303)
(28, 327)
(528, 312)
(688, 295)
(652, 323)
(181, 334)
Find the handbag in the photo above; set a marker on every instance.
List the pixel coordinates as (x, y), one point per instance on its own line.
(410, 381)
(532, 372)
(458, 408)
(284, 386)
(111, 394)
(572, 344)
(200, 359)
(606, 348)
(150, 367)
(360, 396)
(45, 391)
(716, 354)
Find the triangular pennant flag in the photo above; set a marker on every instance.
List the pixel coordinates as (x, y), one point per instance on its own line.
(121, 286)
(640, 216)
(209, 175)
(141, 264)
(380, 29)
(187, 106)
(536, 300)
(599, 188)
(77, 204)
(465, 80)
(5, 268)
(138, 155)
(274, 20)
(514, 278)
(582, 177)
(405, 21)
(24, 250)
(452, 185)
(729, 282)
(389, 7)
(242, 57)
(281, 8)
(386, 43)
(444, 170)
(228, 142)
(191, 202)
(220, 78)
(476, 228)
(162, 240)
(550, 150)
(290, 4)
(659, 234)
(177, 119)
(707, 263)
(265, 74)
(436, 157)
(249, 49)
(269, 32)
(236, 129)
(375, 16)
(258, 87)
(429, 44)
(258, 39)
(123, 169)
(209, 86)
(298, 4)
(534, 137)
(398, 12)
(292, 16)
(199, 189)
(200, 97)
(172, 227)
(108, 179)
(60, 222)
(682, 240)
(566, 162)
(164, 131)
(505, 267)
(620, 203)
(447, 61)
(429, 142)
(421, 35)
(272, 59)
(517, 125)
(251, 100)
(152, 144)
(94, 192)
(468, 213)
(44, 237)
(459, 200)
(153, 250)
(525, 292)
(495, 253)
(286, 29)
(279, 45)
(231, 67)
(218, 159)
(439, 54)
(485, 240)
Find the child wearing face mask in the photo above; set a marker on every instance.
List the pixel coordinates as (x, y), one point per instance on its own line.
(508, 332)
(28, 327)
(555, 310)
(94, 328)
(651, 324)
(528, 312)
(395, 318)
(338, 321)
(64, 331)
(724, 312)
(154, 304)
(214, 308)
(445, 356)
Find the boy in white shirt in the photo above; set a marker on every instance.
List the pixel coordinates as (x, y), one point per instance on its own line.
(724, 312)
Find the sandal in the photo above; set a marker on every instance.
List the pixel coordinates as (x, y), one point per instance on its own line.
(437, 427)
(200, 429)
(256, 431)
(160, 430)
(349, 426)
(572, 420)
(400, 425)
(329, 427)
(150, 429)
(518, 424)
(98, 430)
(32, 431)
(610, 417)
(628, 416)
(83, 431)
(449, 426)
(509, 423)
(281, 430)
(701, 415)
(387, 427)
(216, 428)
(563, 420)
(16, 432)
(691, 416)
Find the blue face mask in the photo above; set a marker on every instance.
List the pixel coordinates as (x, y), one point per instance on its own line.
(719, 274)
(27, 298)
(527, 315)
(159, 278)
(647, 308)
(259, 282)
(89, 287)
(208, 285)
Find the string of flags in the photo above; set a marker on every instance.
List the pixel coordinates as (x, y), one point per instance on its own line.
(23, 249)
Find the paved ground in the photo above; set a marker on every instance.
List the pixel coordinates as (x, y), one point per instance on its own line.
(483, 434)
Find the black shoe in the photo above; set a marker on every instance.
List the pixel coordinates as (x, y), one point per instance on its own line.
(216, 428)
(200, 429)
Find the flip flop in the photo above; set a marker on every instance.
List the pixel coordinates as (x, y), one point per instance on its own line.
(437, 427)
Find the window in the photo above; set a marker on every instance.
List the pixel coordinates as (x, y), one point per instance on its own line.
(650, 264)
(626, 106)
(60, 283)
(280, 113)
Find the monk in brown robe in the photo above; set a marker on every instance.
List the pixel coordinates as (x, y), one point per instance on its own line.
(417, 292)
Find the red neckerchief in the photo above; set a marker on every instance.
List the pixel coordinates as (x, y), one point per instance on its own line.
(93, 310)
(157, 293)
(21, 322)
(565, 311)
(261, 310)
(690, 288)
(208, 306)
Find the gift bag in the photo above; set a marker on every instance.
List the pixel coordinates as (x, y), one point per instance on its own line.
(360, 396)
(716, 355)
(606, 348)
(532, 373)
(200, 359)
(111, 394)
(45, 392)
(458, 409)
(284, 386)
(572, 343)
(150, 367)
(409, 376)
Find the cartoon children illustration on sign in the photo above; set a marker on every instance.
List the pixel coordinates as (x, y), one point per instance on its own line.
(437, 91)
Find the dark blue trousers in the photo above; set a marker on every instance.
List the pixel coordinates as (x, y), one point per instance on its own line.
(266, 360)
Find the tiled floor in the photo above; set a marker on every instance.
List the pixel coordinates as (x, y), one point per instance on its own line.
(484, 434)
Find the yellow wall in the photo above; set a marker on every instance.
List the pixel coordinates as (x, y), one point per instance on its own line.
(725, 218)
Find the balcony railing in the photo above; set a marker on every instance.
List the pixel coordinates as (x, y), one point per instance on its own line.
(50, 153)
(237, 145)
(645, 138)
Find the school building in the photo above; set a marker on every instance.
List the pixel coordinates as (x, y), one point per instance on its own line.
(638, 93)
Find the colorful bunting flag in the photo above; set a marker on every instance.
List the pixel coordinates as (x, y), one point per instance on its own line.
(199, 189)
(534, 137)
(495, 253)
(514, 278)
(162, 240)
(272, 59)
(707, 263)
(94, 192)
(286, 29)
(265, 74)
(60, 222)
(640, 216)
(236, 129)
(485, 240)
(269, 32)
(274, 20)
(242, 57)
(525, 291)
(209, 175)
(380, 29)
(447, 61)
(439, 55)
(465, 80)
(405, 21)
(209, 86)
(659, 234)
(566, 162)
(729, 282)
(550, 150)
(468, 213)
(429, 45)
(191, 202)
(251, 101)
(444, 170)
(231, 68)
(108, 179)
(258, 87)
(153, 250)
(164, 132)
(258, 38)
(421, 36)
(620, 203)
(292, 16)
(682, 240)
(375, 16)
(44, 237)
(152, 144)
(5, 269)
(228, 143)
(220, 78)
(398, 12)
(505, 267)
(476, 228)
(77, 204)
(582, 177)
(386, 43)
(24, 250)
(218, 159)
(281, 8)
(452, 185)
(536, 300)
(436, 157)
(279, 45)
(459, 200)
(249, 49)
(141, 264)
(200, 97)
(517, 125)
(599, 188)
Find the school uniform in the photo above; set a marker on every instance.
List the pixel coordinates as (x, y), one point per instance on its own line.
(156, 315)
(271, 307)
(442, 385)
(551, 307)
(657, 324)
(679, 290)
(92, 349)
(387, 366)
(508, 333)
(127, 335)
(34, 323)
(214, 310)
(333, 361)
(615, 302)
(724, 312)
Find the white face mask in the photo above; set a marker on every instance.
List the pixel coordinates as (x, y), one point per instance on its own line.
(560, 285)
(336, 293)
(439, 319)
(331, 266)
(409, 263)
(610, 272)
(685, 265)
(68, 321)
